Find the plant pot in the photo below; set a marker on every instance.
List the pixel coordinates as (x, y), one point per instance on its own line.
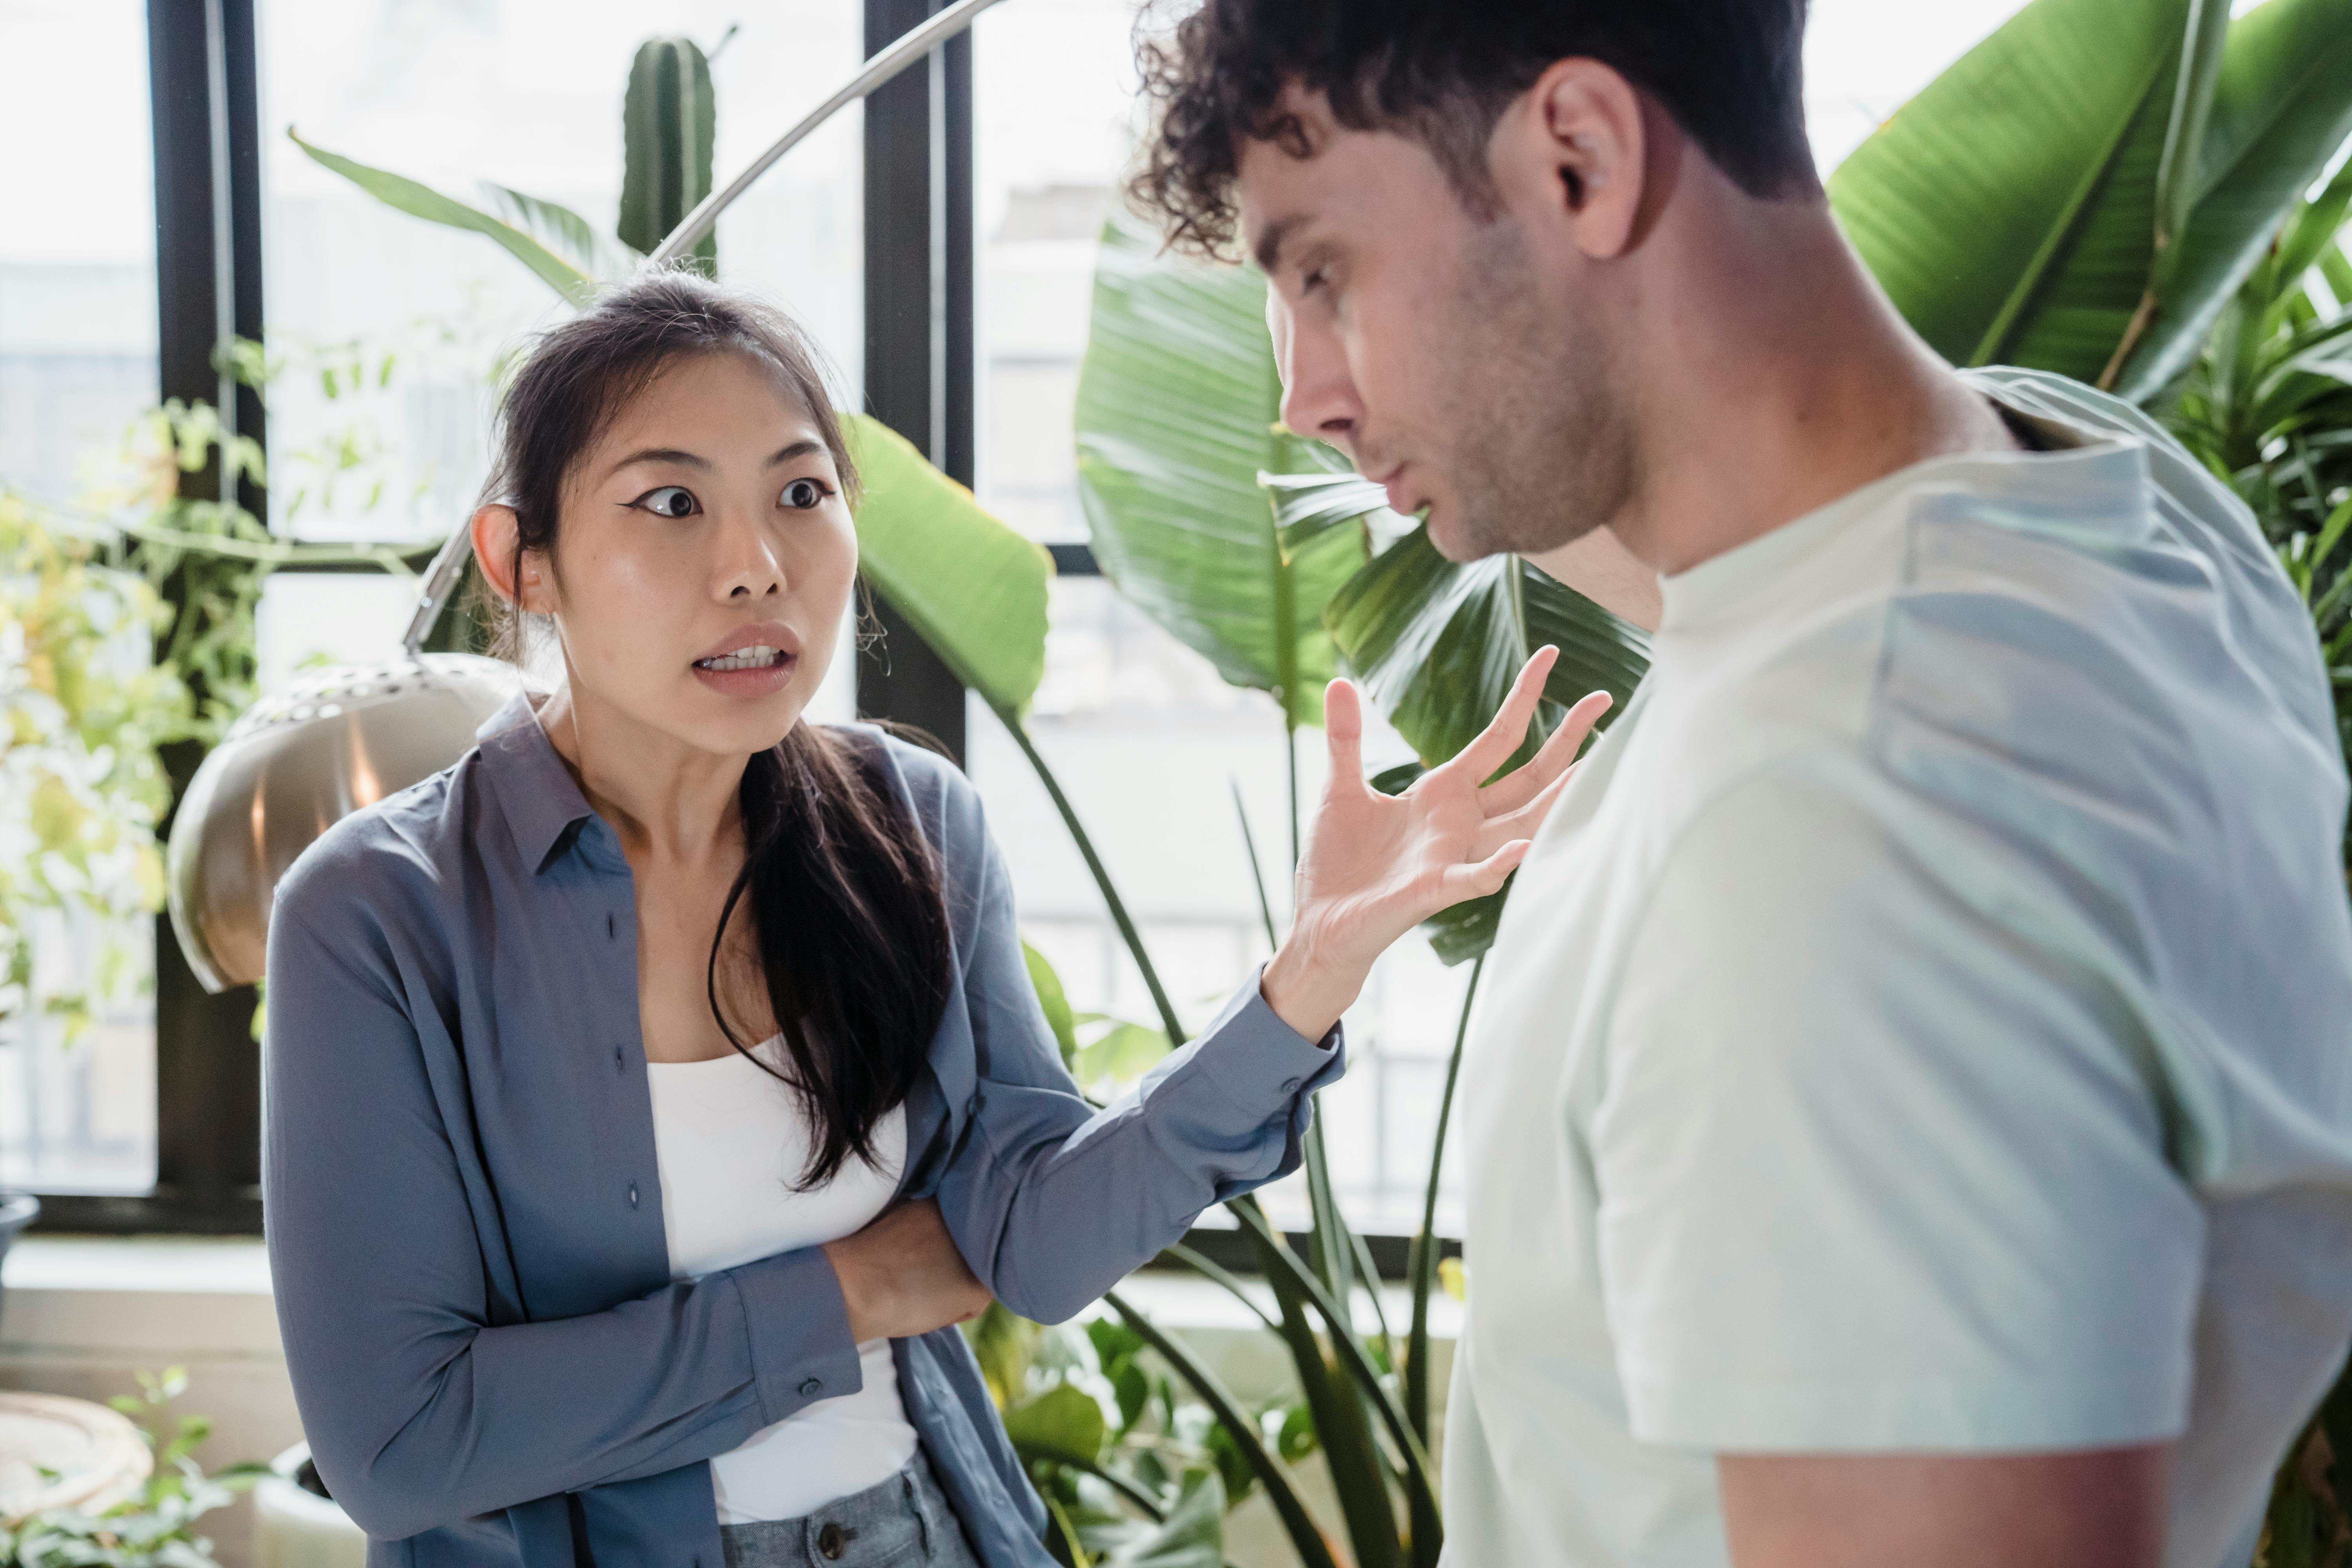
(295, 1524)
(17, 1210)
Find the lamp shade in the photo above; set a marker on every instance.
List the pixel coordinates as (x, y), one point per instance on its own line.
(300, 759)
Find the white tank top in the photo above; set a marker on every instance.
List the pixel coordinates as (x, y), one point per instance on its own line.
(730, 1140)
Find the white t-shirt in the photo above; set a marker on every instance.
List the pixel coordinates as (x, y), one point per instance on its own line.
(1925, 1022)
(730, 1140)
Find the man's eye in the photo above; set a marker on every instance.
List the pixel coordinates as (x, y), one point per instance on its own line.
(802, 495)
(669, 500)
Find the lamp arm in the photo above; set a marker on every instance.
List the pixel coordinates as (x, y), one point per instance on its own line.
(914, 45)
(917, 43)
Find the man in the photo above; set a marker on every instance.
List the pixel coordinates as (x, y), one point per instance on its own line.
(1909, 1119)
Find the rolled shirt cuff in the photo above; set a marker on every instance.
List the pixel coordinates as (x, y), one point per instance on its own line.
(798, 1325)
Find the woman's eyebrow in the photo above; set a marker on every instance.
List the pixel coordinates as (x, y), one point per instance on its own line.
(797, 450)
(660, 455)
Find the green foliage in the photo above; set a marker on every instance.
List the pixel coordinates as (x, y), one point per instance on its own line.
(1119, 1458)
(1177, 419)
(82, 710)
(2268, 408)
(154, 1528)
(567, 277)
(970, 585)
(2084, 191)
(668, 117)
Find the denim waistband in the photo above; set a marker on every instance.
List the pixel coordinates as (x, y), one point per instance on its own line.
(900, 1522)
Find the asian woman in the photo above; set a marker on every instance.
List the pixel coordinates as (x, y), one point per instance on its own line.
(651, 1092)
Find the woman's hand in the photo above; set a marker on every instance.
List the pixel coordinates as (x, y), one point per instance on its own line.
(1376, 866)
(902, 1275)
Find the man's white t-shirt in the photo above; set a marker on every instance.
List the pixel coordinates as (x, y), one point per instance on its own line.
(1925, 1022)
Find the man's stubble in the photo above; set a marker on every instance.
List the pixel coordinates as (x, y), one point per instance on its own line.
(1528, 397)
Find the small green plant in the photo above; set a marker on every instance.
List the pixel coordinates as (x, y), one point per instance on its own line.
(82, 710)
(153, 1528)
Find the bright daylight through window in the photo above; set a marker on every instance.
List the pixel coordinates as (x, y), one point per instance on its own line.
(385, 336)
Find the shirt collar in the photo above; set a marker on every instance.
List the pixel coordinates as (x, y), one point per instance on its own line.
(539, 798)
(2083, 470)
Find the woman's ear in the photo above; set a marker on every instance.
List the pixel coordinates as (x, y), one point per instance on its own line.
(495, 531)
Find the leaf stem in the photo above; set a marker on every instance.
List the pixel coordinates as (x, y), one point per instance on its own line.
(1134, 940)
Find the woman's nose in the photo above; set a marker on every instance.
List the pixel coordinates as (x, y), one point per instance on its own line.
(748, 565)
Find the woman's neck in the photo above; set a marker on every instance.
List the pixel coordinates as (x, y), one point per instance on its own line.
(665, 801)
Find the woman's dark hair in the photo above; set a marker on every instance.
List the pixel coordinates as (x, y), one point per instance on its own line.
(843, 887)
(1731, 72)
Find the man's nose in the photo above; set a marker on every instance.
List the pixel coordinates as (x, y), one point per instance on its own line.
(1319, 396)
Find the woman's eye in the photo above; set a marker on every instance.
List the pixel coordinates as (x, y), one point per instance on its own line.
(802, 495)
(670, 501)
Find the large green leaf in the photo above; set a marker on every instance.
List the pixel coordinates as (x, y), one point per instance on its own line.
(1177, 409)
(424, 201)
(2009, 209)
(1437, 642)
(564, 232)
(1064, 1425)
(2282, 107)
(2013, 209)
(970, 586)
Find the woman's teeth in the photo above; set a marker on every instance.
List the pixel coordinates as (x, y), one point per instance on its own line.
(754, 658)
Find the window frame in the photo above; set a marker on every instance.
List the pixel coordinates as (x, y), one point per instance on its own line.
(921, 354)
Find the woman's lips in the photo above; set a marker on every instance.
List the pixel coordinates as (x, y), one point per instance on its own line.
(761, 681)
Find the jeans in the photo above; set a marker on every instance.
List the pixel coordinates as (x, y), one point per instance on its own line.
(904, 1522)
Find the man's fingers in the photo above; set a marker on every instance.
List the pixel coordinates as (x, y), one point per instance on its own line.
(1522, 822)
(1549, 764)
(1500, 738)
(1343, 729)
(1480, 877)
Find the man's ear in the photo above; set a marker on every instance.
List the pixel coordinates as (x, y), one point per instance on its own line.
(495, 530)
(1577, 144)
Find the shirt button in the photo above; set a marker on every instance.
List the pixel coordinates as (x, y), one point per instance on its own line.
(810, 1386)
(633, 1195)
(1291, 1085)
(610, 929)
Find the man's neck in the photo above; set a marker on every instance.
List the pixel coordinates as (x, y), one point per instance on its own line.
(1786, 382)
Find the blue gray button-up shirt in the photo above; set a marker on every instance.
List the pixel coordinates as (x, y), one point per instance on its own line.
(464, 1216)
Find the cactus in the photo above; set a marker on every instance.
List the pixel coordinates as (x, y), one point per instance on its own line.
(667, 124)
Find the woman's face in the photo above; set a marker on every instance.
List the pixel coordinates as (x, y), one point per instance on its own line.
(703, 559)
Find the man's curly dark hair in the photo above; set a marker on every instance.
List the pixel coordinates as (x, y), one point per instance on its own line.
(1729, 71)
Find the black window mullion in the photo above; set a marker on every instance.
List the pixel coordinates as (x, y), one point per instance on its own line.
(919, 324)
(201, 57)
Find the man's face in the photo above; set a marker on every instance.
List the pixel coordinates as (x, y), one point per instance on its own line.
(1432, 345)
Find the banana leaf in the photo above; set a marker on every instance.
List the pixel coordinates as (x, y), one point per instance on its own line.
(423, 201)
(2013, 209)
(1177, 409)
(2282, 107)
(972, 587)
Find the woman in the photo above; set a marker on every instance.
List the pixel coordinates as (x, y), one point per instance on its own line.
(650, 1092)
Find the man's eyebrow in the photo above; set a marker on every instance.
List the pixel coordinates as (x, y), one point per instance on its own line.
(1267, 251)
(661, 455)
(797, 450)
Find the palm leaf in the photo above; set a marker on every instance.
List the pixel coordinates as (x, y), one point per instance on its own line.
(400, 192)
(2282, 108)
(970, 586)
(2085, 189)
(564, 232)
(1177, 407)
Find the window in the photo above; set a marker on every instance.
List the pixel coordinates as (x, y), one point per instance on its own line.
(77, 362)
(1150, 744)
(389, 331)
